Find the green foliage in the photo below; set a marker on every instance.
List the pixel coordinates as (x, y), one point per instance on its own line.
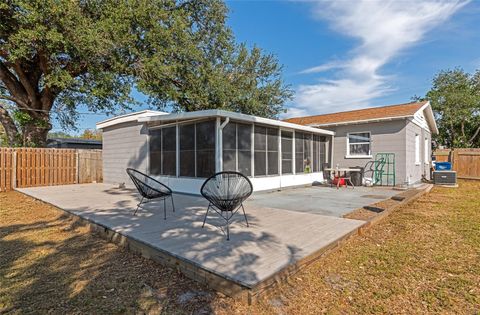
(455, 99)
(179, 53)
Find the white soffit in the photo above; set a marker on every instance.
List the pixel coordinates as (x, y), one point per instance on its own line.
(234, 116)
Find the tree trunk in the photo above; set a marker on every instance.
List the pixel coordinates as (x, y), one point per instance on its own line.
(13, 136)
(35, 131)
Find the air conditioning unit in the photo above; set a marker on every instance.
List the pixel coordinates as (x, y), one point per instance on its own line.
(445, 178)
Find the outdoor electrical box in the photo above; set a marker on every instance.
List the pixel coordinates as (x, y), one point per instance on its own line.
(445, 178)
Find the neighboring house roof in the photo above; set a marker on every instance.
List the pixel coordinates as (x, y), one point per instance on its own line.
(391, 112)
(128, 118)
(210, 113)
(75, 140)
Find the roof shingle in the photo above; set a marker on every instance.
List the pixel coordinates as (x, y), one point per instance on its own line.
(391, 111)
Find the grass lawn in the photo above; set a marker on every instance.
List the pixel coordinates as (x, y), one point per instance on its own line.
(423, 258)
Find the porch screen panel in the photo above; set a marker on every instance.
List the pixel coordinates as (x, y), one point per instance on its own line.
(316, 154)
(260, 151)
(229, 146)
(187, 150)
(307, 153)
(205, 148)
(244, 142)
(155, 144)
(287, 155)
(299, 152)
(272, 151)
(319, 149)
(323, 152)
(169, 148)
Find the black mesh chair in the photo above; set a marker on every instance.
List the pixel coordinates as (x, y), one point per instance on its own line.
(150, 189)
(226, 192)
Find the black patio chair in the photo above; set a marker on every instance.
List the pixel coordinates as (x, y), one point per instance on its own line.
(327, 175)
(150, 189)
(226, 192)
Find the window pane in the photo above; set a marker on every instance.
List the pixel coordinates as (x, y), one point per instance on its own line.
(244, 162)
(244, 139)
(272, 155)
(169, 146)
(359, 149)
(229, 137)
(229, 160)
(359, 137)
(298, 152)
(307, 158)
(155, 144)
(260, 163)
(205, 163)
(187, 150)
(272, 163)
(205, 135)
(287, 146)
(260, 138)
(244, 149)
(316, 154)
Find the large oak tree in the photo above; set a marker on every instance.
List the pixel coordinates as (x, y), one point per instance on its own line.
(56, 55)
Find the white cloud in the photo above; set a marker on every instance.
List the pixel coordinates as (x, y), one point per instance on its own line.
(384, 28)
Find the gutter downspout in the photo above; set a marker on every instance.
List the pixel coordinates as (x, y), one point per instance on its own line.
(219, 144)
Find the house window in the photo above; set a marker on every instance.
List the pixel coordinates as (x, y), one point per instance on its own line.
(287, 155)
(417, 149)
(427, 151)
(359, 144)
(163, 160)
(237, 145)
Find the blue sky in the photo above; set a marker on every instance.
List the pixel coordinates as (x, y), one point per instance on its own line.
(346, 55)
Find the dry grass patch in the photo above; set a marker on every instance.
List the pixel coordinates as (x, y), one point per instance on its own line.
(423, 258)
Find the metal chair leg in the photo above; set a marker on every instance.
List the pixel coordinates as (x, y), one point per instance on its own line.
(228, 229)
(245, 215)
(164, 209)
(205, 219)
(138, 206)
(173, 206)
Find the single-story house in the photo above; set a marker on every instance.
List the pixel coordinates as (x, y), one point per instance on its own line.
(405, 130)
(183, 149)
(74, 143)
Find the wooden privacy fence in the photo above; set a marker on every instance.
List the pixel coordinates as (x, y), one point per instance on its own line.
(465, 161)
(30, 167)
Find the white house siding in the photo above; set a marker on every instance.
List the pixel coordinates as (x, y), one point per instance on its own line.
(386, 137)
(124, 145)
(415, 171)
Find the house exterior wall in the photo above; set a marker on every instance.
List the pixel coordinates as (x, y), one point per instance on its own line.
(124, 145)
(386, 137)
(415, 171)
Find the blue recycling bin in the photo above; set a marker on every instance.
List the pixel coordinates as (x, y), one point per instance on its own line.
(443, 166)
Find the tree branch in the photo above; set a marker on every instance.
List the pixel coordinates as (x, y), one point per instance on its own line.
(25, 81)
(11, 82)
(475, 134)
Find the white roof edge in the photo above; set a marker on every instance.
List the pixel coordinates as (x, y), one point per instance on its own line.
(233, 115)
(362, 121)
(430, 116)
(127, 118)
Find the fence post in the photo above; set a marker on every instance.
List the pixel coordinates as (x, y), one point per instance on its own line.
(14, 169)
(77, 175)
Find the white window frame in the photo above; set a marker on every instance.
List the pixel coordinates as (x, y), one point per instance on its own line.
(368, 156)
(427, 151)
(417, 149)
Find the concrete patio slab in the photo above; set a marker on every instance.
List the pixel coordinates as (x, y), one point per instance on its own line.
(322, 200)
(276, 239)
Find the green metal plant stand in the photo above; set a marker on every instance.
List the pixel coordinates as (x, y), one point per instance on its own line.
(384, 169)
